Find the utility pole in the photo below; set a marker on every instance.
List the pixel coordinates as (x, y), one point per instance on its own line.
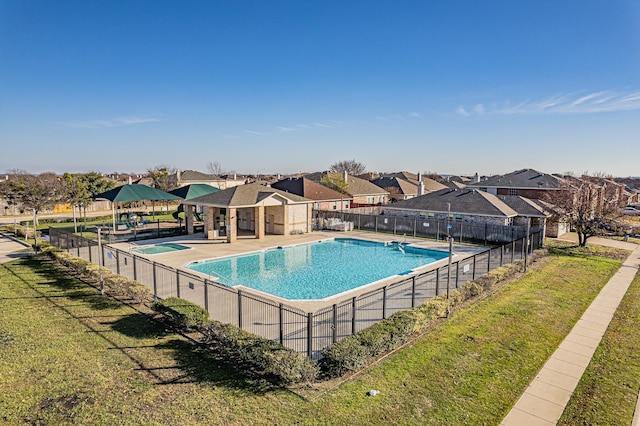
(450, 255)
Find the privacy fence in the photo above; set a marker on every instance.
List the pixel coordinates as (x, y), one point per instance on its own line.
(307, 332)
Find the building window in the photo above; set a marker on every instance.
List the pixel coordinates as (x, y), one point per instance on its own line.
(335, 205)
(513, 191)
(346, 204)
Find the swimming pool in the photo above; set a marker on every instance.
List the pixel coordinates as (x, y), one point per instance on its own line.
(317, 270)
(160, 248)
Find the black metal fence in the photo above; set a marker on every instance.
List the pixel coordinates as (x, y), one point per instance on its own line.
(307, 332)
(460, 231)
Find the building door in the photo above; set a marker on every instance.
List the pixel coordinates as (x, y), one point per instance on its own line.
(271, 224)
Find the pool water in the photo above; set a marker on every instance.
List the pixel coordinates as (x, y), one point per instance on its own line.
(160, 248)
(317, 270)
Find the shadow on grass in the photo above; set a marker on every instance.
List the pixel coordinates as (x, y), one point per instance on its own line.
(73, 287)
(204, 366)
(139, 326)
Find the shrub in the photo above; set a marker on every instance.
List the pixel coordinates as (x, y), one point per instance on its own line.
(184, 314)
(263, 357)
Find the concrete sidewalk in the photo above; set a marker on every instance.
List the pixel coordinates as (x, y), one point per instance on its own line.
(9, 246)
(545, 399)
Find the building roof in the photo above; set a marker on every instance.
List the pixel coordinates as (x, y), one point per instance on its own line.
(523, 206)
(244, 196)
(355, 185)
(523, 179)
(135, 192)
(428, 183)
(467, 201)
(309, 189)
(403, 186)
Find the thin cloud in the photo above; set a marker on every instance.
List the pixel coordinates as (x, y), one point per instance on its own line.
(253, 132)
(415, 115)
(568, 103)
(286, 129)
(115, 122)
(463, 112)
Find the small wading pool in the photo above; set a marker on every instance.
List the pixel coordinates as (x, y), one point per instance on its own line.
(317, 270)
(160, 248)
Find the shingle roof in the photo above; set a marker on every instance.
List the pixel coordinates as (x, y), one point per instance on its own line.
(404, 186)
(309, 189)
(356, 186)
(244, 196)
(524, 179)
(523, 206)
(195, 175)
(466, 201)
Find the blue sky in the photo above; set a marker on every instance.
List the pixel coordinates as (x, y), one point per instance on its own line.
(288, 86)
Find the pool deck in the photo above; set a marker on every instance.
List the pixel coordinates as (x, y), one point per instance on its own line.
(203, 249)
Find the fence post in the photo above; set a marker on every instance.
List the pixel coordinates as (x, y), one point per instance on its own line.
(155, 283)
(489, 261)
(239, 308)
(384, 302)
(118, 263)
(501, 255)
(353, 317)
(513, 250)
(90, 257)
(177, 277)
(457, 272)
(413, 291)
(473, 274)
(310, 334)
(395, 221)
(415, 221)
(359, 221)
(376, 223)
(334, 326)
(206, 295)
(135, 269)
(281, 323)
(437, 281)
(486, 225)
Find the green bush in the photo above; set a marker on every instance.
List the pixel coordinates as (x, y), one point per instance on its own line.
(262, 356)
(184, 314)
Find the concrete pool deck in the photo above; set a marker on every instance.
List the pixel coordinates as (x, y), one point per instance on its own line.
(204, 249)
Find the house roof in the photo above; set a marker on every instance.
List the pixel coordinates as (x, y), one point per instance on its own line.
(196, 176)
(467, 201)
(355, 185)
(244, 196)
(523, 206)
(523, 179)
(309, 189)
(403, 186)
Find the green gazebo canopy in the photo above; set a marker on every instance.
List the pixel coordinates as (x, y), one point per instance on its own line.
(135, 192)
(194, 190)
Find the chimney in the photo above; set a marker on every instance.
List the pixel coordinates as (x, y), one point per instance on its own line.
(234, 176)
(345, 176)
(178, 176)
(419, 176)
(420, 188)
(476, 178)
(129, 180)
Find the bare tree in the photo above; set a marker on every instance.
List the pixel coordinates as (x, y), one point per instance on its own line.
(586, 208)
(352, 167)
(215, 168)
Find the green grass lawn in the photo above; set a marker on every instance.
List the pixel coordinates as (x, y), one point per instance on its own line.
(69, 355)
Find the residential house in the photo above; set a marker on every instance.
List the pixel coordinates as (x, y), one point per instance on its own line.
(405, 185)
(363, 192)
(527, 183)
(324, 198)
(466, 205)
(188, 177)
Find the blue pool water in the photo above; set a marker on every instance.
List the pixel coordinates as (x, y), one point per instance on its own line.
(160, 248)
(317, 270)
